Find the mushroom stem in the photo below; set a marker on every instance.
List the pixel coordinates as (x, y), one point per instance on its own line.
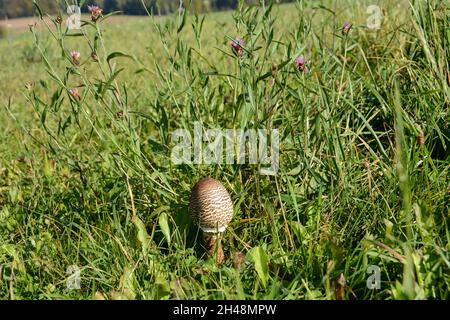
(213, 244)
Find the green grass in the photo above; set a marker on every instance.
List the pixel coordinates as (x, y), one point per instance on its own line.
(364, 157)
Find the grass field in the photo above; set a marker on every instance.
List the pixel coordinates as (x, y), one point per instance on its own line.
(88, 188)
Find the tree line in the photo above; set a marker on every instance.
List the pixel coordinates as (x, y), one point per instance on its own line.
(23, 8)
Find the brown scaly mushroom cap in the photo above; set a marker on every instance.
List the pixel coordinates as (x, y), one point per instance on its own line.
(211, 206)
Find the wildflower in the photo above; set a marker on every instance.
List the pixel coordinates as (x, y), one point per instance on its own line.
(300, 63)
(75, 94)
(346, 28)
(76, 57)
(236, 46)
(95, 12)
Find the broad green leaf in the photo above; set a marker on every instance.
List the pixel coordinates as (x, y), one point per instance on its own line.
(10, 250)
(164, 225)
(142, 235)
(261, 262)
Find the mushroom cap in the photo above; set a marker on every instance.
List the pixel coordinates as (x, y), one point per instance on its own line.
(211, 206)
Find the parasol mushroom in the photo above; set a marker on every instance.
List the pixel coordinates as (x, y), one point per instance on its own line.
(212, 209)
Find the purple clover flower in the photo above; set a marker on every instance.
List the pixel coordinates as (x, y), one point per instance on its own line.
(237, 47)
(346, 28)
(301, 64)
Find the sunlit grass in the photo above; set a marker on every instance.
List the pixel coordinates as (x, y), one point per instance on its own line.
(364, 158)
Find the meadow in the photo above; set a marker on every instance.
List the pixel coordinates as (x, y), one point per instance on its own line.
(92, 207)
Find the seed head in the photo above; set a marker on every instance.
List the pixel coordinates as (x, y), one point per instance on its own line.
(238, 260)
(274, 69)
(75, 94)
(29, 86)
(94, 56)
(59, 19)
